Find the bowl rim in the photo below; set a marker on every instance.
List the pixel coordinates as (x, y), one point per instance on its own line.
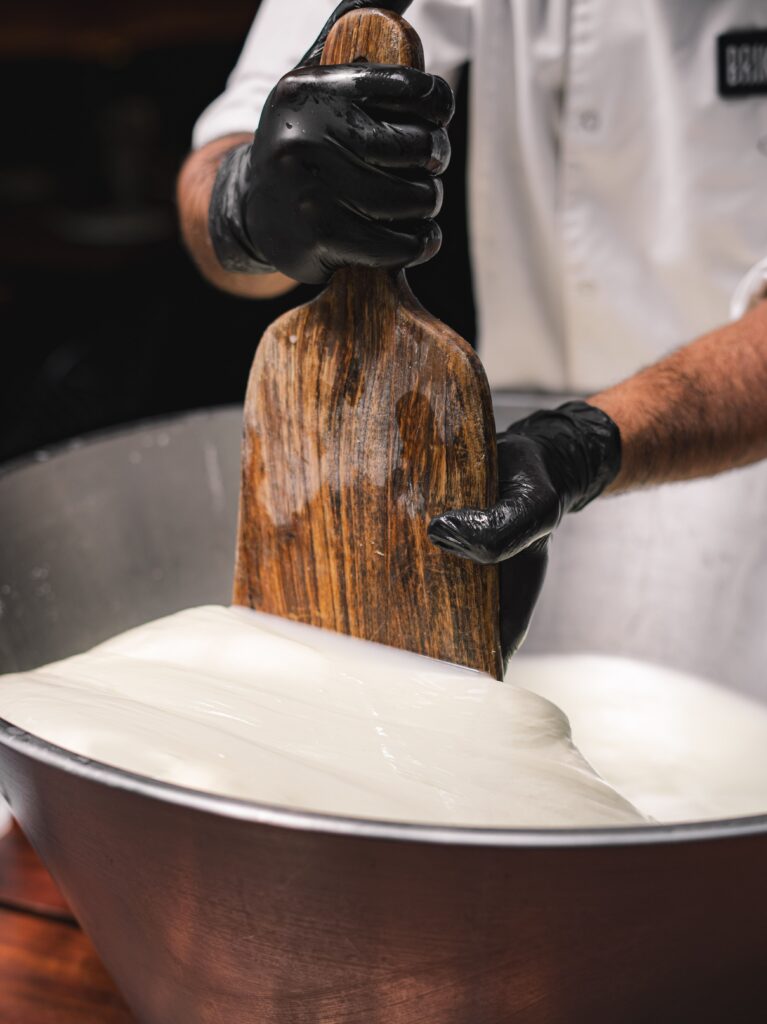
(48, 754)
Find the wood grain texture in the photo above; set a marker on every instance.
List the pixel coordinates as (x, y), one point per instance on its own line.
(50, 974)
(24, 882)
(364, 417)
(373, 36)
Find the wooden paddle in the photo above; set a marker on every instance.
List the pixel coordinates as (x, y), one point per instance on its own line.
(364, 417)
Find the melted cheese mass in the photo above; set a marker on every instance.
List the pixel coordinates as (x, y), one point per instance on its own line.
(240, 704)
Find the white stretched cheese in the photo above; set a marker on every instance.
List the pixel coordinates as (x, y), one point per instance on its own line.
(232, 702)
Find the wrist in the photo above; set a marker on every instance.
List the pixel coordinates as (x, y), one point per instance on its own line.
(581, 447)
(603, 451)
(227, 223)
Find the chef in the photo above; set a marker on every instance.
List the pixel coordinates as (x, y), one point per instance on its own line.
(618, 220)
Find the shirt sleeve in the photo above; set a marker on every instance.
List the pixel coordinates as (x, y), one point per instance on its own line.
(282, 32)
(751, 289)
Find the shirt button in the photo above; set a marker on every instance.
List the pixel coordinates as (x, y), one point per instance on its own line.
(589, 120)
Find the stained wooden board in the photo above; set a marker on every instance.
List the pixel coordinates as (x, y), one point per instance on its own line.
(365, 417)
(50, 974)
(24, 883)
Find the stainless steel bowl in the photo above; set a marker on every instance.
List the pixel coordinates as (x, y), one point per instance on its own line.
(208, 910)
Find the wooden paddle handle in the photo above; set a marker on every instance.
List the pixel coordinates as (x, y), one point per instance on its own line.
(374, 36)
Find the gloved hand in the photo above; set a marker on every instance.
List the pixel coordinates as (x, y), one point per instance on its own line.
(548, 464)
(343, 169)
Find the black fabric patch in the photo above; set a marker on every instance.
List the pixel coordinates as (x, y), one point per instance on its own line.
(742, 62)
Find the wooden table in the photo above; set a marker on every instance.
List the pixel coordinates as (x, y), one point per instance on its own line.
(49, 971)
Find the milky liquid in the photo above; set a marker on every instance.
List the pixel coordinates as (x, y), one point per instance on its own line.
(240, 704)
(678, 747)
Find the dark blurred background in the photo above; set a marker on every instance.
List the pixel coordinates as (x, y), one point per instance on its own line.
(103, 317)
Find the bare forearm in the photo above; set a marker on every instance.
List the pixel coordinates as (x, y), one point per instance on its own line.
(195, 184)
(697, 412)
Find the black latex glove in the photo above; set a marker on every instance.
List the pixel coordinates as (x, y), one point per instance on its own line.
(343, 169)
(548, 464)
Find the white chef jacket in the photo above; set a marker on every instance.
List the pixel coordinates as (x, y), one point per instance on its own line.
(618, 203)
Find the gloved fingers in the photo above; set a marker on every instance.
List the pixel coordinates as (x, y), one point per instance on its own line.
(314, 53)
(380, 195)
(357, 241)
(490, 535)
(428, 243)
(521, 582)
(379, 88)
(399, 146)
(407, 92)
